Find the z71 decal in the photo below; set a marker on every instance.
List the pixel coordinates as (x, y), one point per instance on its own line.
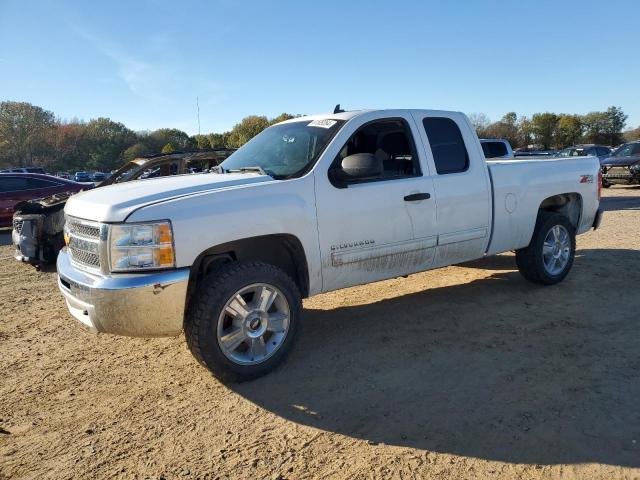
(586, 178)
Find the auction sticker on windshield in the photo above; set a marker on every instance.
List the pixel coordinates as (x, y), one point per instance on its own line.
(324, 123)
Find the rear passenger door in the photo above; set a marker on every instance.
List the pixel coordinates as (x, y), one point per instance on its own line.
(461, 185)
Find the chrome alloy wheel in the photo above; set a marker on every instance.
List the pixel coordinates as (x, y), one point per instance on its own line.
(556, 250)
(253, 324)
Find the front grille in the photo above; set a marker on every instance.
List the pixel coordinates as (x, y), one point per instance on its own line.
(77, 227)
(85, 258)
(618, 172)
(17, 225)
(84, 242)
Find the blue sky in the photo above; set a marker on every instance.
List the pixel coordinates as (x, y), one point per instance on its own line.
(144, 62)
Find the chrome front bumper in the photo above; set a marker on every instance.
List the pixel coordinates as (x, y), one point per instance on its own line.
(135, 305)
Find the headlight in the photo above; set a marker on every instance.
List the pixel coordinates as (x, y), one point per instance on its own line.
(142, 246)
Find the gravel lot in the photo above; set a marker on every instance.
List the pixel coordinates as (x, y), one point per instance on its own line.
(464, 372)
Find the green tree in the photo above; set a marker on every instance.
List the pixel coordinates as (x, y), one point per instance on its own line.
(168, 148)
(281, 118)
(505, 128)
(219, 140)
(616, 121)
(24, 129)
(595, 127)
(543, 126)
(248, 128)
(135, 151)
(159, 138)
(525, 132)
(105, 141)
(569, 130)
(201, 142)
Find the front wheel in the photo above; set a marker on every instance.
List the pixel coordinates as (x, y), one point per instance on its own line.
(243, 319)
(549, 256)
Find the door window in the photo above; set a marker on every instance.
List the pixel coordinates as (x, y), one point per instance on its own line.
(390, 140)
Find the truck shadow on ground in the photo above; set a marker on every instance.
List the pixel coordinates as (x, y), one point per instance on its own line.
(496, 368)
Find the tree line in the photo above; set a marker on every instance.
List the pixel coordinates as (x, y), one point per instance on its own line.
(544, 131)
(31, 135)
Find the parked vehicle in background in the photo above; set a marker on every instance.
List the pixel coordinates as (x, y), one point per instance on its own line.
(82, 177)
(163, 165)
(49, 211)
(99, 177)
(65, 175)
(25, 170)
(623, 166)
(587, 150)
(19, 187)
(496, 148)
(311, 205)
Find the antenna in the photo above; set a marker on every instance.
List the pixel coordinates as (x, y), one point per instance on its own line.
(198, 109)
(337, 109)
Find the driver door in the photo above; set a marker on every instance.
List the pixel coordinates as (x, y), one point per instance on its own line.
(381, 227)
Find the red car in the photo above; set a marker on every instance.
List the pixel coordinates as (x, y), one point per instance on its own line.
(18, 187)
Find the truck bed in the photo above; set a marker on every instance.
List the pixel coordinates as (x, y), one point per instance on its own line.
(520, 186)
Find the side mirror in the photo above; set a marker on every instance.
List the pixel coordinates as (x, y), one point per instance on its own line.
(361, 166)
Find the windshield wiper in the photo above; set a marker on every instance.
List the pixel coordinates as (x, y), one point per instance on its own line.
(248, 170)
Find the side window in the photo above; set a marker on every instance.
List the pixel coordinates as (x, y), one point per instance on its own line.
(12, 184)
(449, 152)
(36, 183)
(390, 140)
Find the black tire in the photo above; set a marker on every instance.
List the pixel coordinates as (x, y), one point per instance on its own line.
(205, 308)
(530, 260)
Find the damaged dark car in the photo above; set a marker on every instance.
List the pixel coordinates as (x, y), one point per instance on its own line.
(38, 224)
(623, 166)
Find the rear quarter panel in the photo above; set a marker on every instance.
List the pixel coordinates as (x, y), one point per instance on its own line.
(520, 187)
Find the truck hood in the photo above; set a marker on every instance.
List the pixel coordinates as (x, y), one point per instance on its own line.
(114, 203)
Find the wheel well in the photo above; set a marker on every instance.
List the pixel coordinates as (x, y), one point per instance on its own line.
(567, 204)
(281, 250)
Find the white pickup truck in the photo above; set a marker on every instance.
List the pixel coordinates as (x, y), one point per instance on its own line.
(311, 205)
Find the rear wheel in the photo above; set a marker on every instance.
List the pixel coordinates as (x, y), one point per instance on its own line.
(243, 319)
(549, 257)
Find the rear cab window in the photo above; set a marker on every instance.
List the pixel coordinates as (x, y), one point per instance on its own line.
(447, 145)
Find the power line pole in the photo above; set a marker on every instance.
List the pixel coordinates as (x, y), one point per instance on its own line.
(198, 109)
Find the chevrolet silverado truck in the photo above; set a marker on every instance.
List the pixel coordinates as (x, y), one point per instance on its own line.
(311, 205)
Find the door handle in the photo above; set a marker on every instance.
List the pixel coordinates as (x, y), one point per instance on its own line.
(414, 197)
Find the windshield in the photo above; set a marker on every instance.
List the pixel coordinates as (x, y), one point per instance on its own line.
(627, 150)
(285, 150)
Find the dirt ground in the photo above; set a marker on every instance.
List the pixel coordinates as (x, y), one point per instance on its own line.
(465, 372)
